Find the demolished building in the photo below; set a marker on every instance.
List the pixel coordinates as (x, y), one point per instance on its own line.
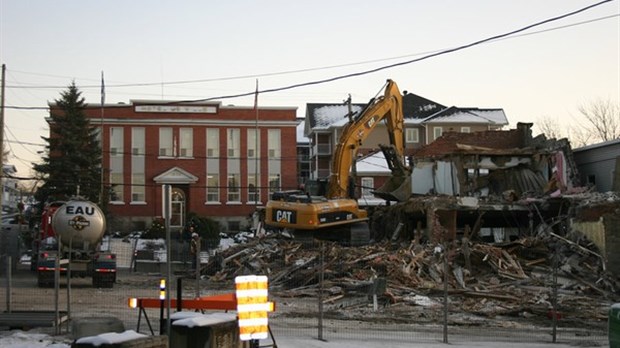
(498, 229)
(499, 186)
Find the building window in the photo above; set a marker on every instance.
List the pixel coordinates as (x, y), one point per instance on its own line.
(253, 143)
(186, 146)
(233, 143)
(234, 191)
(253, 165)
(213, 165)
(368, 185)
(253, 191)
(274, 182)
(138, 180)
(165, 142)
(412, 135)
(213, 187)
(116, 164)
(213, 143)
(274, 160)
(273, 144)
(465, 130)
(437, 132)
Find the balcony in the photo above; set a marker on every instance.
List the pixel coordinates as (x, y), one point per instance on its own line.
(323, 149)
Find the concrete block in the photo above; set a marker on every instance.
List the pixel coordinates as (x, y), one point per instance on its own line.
(92, 326)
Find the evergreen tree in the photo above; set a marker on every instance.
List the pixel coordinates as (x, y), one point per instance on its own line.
(73, 156)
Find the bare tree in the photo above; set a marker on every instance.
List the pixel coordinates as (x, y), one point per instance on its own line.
(549, 127)
(579, 136)
(603, 117)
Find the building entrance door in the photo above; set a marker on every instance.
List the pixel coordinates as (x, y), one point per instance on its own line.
(177, 216)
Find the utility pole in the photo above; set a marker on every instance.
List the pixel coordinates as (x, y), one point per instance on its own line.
(2, 134)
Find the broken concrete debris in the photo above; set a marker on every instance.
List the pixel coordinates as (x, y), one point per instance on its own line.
(503, 279)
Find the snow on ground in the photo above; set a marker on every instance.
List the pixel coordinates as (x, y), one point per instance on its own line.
(32, 339)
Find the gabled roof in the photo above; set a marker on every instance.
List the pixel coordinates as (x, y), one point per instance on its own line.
(483, 142)
(373, 163)
(325, 116)
(301, 136)
(455, 114)
(176, 175)
(416, 110)
(417, 107)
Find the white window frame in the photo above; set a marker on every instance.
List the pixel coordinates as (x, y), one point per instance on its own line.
(234, 190)
(368, 185)
(274, 145)
(465, 129)
(213, 143)
(253, 195)
(437, 132)
(116, 162)
(274, 182)
(233, 143)
(213, 188)
(166, 142)
(412, 135)
(138, 176)
(186, 142)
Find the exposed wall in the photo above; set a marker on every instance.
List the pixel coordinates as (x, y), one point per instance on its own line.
(605, 234)
(612, 242)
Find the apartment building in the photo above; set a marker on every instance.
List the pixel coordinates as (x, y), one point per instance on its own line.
(425, 120)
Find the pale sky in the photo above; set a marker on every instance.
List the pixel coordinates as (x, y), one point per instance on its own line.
(228, 45)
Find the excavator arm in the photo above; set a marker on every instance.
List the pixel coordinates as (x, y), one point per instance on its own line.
(386, 108)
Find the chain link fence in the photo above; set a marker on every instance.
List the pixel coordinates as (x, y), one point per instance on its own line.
(392, 292)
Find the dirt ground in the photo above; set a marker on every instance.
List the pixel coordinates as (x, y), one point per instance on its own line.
(292, 314)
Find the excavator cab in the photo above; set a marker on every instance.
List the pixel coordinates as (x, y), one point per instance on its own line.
(316, 187)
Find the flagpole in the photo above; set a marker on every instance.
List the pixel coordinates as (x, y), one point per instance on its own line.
(101, 139)
(256, 162)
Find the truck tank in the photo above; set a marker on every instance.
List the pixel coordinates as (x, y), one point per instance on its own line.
(79, 224)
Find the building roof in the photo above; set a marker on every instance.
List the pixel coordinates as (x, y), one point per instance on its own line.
(372, 163)
(416, 107)
(325, 116)
(597, 145)
(301, 137)
(455, 114)
(485, 141)
(416, 110)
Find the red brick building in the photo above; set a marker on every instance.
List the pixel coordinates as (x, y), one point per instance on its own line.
(221, 161)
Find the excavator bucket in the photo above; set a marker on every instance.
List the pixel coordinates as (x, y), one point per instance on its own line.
(398, 187)
(395, 189)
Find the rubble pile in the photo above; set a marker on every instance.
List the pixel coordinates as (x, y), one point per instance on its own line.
(489, 280)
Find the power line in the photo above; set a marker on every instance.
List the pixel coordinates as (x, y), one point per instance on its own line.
(23, 142)
(366, 72)
(429, 54)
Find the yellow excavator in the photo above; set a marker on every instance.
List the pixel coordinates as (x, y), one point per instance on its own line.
(328, 209)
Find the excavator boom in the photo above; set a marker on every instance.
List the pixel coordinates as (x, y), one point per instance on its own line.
(336, 215)
(387, 107)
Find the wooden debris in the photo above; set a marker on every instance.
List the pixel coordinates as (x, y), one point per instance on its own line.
(509, 278)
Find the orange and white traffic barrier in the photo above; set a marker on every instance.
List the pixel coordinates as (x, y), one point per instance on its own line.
(252, 307)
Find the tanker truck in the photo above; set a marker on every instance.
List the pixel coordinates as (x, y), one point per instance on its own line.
(79, 226)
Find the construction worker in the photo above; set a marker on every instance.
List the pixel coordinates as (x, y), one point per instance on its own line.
(194, 249)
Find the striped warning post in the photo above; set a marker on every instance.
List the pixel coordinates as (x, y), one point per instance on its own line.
(252, 307)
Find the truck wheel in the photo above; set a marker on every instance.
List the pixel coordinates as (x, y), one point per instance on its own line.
(103, 281)
(43, 281)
